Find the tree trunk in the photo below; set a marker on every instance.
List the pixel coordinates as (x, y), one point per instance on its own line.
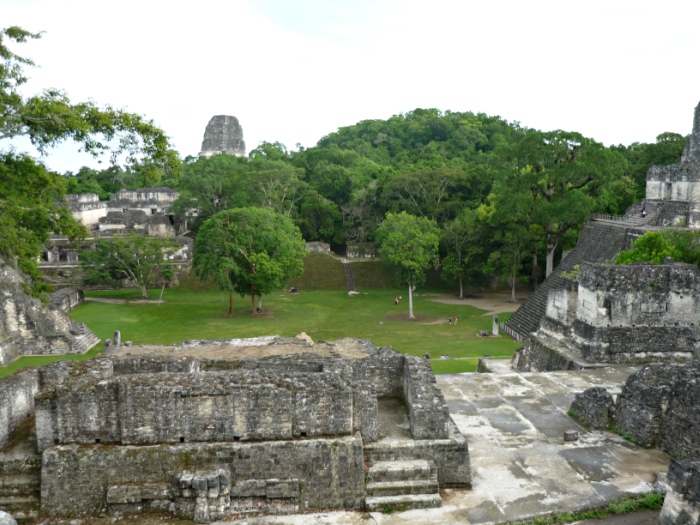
(160, 299)
(461, 289)
(410, 301)
(550, 260)
(534, 269)
(252, 287)
(259, 303)
(551, 246)
(512, 292)
(144, 293)
(230, 304)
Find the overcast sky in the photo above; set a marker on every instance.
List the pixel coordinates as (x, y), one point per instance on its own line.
(292, 71)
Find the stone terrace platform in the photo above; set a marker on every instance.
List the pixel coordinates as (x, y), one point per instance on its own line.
(521, 467)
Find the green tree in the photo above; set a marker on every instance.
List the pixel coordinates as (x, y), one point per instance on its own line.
(51, 118)
(411, 243)
(252, 251)
(138, 259)
(652, 247)
(462, 239)
(507, 260)
(31, 198)
(425, 192)
(560, 177)
(210, 185)
(31, 206)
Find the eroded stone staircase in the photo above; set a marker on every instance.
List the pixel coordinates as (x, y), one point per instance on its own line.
(20, 487)
(401, 485)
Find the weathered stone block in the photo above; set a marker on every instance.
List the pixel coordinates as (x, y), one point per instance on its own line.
(249, 488)
(594, 407)
(156, 491)
(279, 489)
(123, 494)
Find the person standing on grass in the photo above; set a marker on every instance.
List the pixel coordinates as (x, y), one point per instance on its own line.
(455, 320)
(450, 320)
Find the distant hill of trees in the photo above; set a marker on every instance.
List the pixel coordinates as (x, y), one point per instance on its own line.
(508, 198)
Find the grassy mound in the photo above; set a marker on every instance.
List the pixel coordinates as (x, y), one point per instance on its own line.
(321, 272)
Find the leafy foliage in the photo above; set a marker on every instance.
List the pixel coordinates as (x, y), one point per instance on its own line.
(138, 259)
(652, 247)
(411, 243)
(252, 251)
(31, 206)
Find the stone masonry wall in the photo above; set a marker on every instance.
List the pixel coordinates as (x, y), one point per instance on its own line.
(682, 500)
(428, 411)
(16, 401)
(659, 406)
(214, 406)
(29, 327)
(330, 473)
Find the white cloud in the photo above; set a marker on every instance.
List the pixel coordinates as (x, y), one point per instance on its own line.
(294, 71)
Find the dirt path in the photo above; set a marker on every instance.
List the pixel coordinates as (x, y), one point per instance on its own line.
(495, 303)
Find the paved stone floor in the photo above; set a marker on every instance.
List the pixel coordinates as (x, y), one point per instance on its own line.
(521, 466)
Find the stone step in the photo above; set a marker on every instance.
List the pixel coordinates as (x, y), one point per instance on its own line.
(400, 488)
(26, 465)
(20, 485)
(417, 469)
(26, 516)
(14, 504)
(405, 502)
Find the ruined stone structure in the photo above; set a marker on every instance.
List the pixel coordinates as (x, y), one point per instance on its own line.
(675, 189)
(633, 313)
(659, 407)
(318, 247)
(205, 438)
(682, 501)
(29, 327)
(224, 134)
(672, 200)
(144, 211)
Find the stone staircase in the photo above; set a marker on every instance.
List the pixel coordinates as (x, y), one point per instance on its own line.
(599, 241)
(401, 485)
(349, 279)
(84, 338)
(20, 487)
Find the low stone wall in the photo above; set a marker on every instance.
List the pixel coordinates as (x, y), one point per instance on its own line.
(640, 344)
(203, 407)
(16, 401)
(427, 409)
(66, 299)
(682, 501)
(539, 356)
(309, 474)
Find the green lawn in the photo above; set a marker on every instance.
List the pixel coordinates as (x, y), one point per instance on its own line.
(324, 315)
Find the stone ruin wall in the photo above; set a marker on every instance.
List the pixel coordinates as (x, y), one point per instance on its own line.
(673, 191)
(637, 312)
(682, 499)
(300, 412)
(618, 314)
(294, 475)
(18, 391)
(29, 327)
